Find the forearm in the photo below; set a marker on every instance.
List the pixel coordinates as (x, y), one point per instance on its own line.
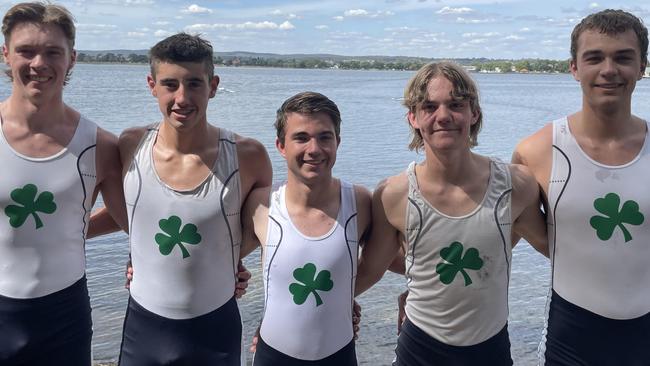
(366, 278)
(398, 265)
(101, 223)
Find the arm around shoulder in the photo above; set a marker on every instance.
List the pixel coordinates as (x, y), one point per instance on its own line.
(254, 219)
(529, 221)
(254, 165)
(363, 199)
(384, 241)
(109, 177)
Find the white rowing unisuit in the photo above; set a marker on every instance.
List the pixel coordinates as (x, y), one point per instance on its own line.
(184, 244)
(309, 281)
(45, 205)
(458, 268)
(599, 229)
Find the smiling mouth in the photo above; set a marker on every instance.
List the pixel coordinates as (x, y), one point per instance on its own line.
(609, 85)
(37, 78)
(446, 130)
(182, 112)
(313, 162)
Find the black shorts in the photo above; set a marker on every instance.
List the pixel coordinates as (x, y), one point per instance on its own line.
(265, 355)
(416, 348)
(578, 337)
(149, 339)
(55, 329)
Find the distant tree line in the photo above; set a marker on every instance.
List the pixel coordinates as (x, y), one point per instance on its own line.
(526, 65)
(482, 65)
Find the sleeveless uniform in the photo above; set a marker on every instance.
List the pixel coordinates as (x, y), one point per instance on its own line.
(598, 310)
(184, 249)
(458, 269)
(46, 202)
(309, 288)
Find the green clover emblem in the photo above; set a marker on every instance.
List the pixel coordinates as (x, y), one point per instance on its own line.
(310, 283)
(172, 226)
(455, 261)
(30, 206)
(605, 226)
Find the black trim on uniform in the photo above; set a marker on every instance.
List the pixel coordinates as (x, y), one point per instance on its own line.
(268, 271)
(225, 219)
(566, 182)
(83, 188)
(347, 241)
(417, 237)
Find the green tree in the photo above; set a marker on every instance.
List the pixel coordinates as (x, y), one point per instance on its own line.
(309, 283)
(172, 226)
(30, 206)
(605, 226)
(455, 261)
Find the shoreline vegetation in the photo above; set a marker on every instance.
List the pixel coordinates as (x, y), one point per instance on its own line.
(326, 61)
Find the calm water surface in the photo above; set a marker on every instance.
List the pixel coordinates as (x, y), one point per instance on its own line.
(374, 145)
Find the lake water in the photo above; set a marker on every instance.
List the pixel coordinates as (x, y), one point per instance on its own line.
(374, 137)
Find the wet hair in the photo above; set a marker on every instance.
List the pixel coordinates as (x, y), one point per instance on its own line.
(39, 13)
(307, 103)
(612, 22)
(464, 88)
(182, 47)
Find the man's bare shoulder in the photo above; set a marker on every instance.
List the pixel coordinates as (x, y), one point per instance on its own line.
(534, 147)
(108, 156)
(129, 141)
(524, 185)
(249, 147)
(363, 199)
(392, 189)
(362, 195)
(131, 137)
(254, 164)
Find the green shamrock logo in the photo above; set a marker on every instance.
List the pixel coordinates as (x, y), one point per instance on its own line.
(629, 214)
(30, 206)
(172, 226)
(309, 283)
(457, 262)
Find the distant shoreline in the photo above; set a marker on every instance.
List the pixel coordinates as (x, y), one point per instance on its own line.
(469, 68)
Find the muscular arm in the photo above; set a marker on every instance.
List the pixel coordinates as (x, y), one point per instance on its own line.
(256, 177)
(101, 223)
(254, 165)
(384, 242)
(254, 220)
(109, 184)
(534, 153)
(529, 221)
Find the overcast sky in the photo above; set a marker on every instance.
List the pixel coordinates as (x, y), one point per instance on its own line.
(427, 28)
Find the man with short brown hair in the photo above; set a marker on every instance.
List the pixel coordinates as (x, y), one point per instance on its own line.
(59, 161)
(592, 167)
